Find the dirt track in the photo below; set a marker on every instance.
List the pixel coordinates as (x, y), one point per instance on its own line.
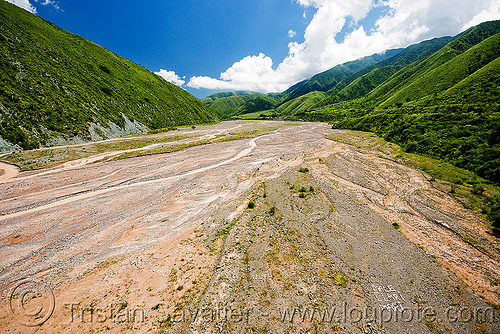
(172, 233)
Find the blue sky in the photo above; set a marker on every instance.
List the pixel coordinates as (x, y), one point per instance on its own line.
(262, 45)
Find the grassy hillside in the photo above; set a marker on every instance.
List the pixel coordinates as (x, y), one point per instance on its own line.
(340, 83)
(419, 69)
(237, 104)
(57, 87)
(324, 81)
(259, 102)
(448, 74)
(363, 82)
(216, 96)
(304, 102)
(445, 107)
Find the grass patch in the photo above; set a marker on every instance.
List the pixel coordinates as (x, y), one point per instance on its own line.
(50, 157)
(161, 150)
(341, 279)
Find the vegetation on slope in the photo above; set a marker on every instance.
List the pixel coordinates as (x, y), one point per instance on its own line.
(363, 82)
(238, 104)
(341, 83)
(57, 87)
(448, 74)
(419, 69)
(304, 102)
(216, 96)
(326, 80)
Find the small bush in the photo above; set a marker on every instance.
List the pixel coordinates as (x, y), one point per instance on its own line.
(106, 91)
(251, 204)
(341, 279)
(104, 69)
(304, 169)
(123, 305)
(478, 189)
(180, 287)
(272, 211)
(302, 195)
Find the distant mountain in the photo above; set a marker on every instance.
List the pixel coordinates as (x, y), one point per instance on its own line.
(216, 96)
(57, 87)
(341, 83)
(304, 102)
(326, 80)
(445, 64)
(364, 81)
(237, 103)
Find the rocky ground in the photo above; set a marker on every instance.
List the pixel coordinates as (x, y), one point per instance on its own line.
(286, 232)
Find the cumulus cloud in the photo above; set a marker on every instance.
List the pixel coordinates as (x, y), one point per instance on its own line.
(171, 77)
(25, 4)
(292, 33)
(252, 72)
(490, 14)
(404, 22)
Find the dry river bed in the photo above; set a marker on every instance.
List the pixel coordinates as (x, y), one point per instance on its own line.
(286, 232)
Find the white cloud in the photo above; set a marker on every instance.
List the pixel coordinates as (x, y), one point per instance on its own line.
(51, 3)
(292, 33)
(252, 72)
(25, 4)
(405, 22)
(490, 14)
(171, 77)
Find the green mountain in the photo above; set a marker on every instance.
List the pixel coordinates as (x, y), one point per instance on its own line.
(234, 103)
(443, 77)
(418, 70)
(364, 81)
(238, 103)
(343, 82)
(445, 106)
(213, 97)
(57, 87)
(304, 102)
(324, 81)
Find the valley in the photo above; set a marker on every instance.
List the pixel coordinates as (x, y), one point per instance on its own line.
(273, 230)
